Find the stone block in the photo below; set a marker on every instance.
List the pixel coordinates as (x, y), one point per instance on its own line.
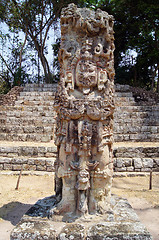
(40, 162)
(137, 162)
(123, 162)
(122, 169)
(50, 169)
(27, 167)
(153, 129)
(147, 162)
(40, 168)
(42, 149)
(1, 166)
(52, 149)
(130, 169)
(19, 160)
(115, 162)
(5, 160)
(145, 169)
(50, 162)
(119, 162)
(122, 223)
(137, 169)
(127, 162)
(12, 154)
(17, 167)
(7, 166)
(29, 151)
(156, 161)
(31, 161)
(156, 169)
(49, 154)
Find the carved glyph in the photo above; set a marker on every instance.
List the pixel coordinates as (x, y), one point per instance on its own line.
(85, 105)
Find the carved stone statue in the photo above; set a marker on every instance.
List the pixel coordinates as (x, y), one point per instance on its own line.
(85, 105)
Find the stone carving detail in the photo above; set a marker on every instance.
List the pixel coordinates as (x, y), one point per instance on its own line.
(85, 105)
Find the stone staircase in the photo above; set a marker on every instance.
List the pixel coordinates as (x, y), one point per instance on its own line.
(32, 118)
(134, 122)
(32, 156)
(27, 131)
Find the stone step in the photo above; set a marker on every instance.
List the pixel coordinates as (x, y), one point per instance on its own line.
(27, 149)
(26, 137)
(140, 157)
(36, 94)
(32, 155)
(24, 108)
(123, 94)
(136, 128)
(139, 121)
(122, 88)
(136, 158)
(136, 137)
(30, 120)
(35, 98)
(26, 129)
(124, 102)
(124, 98)
(137, 108)
(39, 87)
(28, 163)
(137, 115)
(34, 103)
(20, 114)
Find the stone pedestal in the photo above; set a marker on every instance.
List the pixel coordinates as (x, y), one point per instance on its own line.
(121, 223)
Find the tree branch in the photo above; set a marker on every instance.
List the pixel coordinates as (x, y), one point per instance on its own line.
(6, 64)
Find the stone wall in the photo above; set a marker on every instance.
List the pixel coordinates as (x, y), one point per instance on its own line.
(134, 122)
(137, 159)
(36, 158)
(41, 158)
(32, 119)
(11, 96)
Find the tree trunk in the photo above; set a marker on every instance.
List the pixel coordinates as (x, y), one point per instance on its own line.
(44, 62)
(152, 78)
(158, 78)
(21, 51)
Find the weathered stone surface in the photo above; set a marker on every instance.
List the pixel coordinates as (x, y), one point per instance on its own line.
(138, 162)
(85, 104)
(121, 223)
(7, 166)
(124, 162)
(147, 162)
(130, 169)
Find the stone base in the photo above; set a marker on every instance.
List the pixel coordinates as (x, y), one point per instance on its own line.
(120, 224)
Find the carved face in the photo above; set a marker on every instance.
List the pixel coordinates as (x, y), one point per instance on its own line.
(86, 74)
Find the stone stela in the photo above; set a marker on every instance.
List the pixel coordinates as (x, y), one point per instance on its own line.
(84, 104)
(83, 207)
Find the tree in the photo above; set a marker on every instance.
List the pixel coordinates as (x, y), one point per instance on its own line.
(137, 28)
(34, 18)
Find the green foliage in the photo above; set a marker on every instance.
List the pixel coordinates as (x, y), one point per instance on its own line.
(20, 77)
(4, 83)
(136, 27)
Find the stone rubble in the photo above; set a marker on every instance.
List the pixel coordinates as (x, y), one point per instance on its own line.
(121, 223)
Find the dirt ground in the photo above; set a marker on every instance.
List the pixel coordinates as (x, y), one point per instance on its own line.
(14, 203)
